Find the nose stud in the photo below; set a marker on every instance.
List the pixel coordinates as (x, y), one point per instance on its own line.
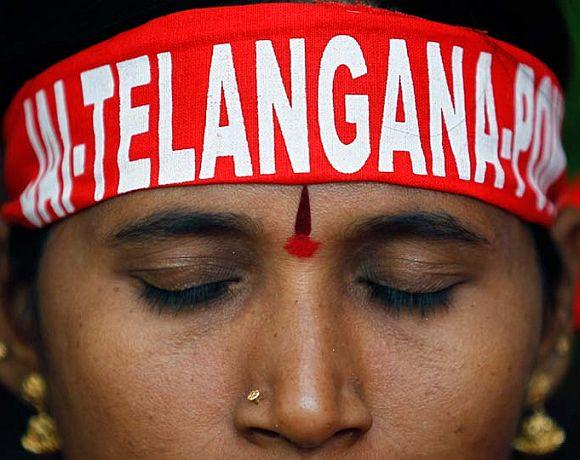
(254, 396)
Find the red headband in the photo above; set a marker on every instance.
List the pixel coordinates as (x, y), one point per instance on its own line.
(287, 93)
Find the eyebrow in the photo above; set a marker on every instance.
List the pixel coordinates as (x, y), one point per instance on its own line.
(426, 225)
(173, 224)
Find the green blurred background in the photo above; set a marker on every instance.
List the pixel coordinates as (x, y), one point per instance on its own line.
(572, 120)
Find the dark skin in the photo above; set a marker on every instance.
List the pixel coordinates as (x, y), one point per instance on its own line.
(348, 363)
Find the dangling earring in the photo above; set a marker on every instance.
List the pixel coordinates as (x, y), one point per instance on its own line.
(539, 433)
(3, 351)
(41, 436)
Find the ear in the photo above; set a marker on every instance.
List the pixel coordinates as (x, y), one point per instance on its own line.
(566, 233)
(15, 333)
(554, 356)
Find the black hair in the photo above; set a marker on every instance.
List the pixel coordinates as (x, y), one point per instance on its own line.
(551, 266)
(34, 37)
(36, 34)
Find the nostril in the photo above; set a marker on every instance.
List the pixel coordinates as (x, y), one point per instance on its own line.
(344, 437)
(349, 434)
(261, 432)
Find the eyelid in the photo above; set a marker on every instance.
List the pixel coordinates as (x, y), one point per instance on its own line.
(182, 262)
(185, 282)
(422, 303)
(402, 260)
(184, 286)
(194, 297)
(411, 281)
(182, 282)
(187, 257)
(182, 277)
(436, 290)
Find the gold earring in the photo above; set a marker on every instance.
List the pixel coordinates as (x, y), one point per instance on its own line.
(3, 351)
(539, 433)
(41, 436)
(563, 345)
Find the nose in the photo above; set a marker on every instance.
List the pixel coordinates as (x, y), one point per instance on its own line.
(312, 415)
(309, 405)
(310, 397)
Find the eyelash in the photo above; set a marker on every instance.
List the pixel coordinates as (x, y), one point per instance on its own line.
(422, 303)
(194, 297)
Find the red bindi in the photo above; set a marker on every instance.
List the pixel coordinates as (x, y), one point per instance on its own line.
(300, 244)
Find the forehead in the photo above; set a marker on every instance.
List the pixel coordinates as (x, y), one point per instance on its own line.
(272, 208)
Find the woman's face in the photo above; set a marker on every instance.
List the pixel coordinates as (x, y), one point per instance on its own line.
(407, 326)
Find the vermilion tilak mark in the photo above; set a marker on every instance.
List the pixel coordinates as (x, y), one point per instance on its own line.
(300, 244)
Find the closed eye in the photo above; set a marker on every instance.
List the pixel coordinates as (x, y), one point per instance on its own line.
(192, 297)
(422, 303)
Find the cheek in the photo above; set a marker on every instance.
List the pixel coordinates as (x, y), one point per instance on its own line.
(129, 383)
(454, 382)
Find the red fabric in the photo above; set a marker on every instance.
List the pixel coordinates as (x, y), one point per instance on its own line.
(52, 171)
(571, 194)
